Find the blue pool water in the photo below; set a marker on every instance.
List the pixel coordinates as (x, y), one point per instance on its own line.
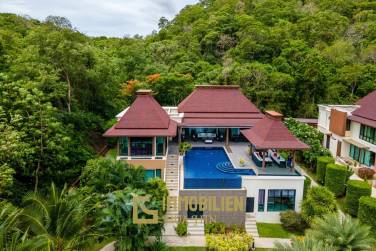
(210, 167)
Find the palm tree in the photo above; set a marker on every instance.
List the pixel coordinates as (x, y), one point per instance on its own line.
(306, 244)
(59, 220)
(343, 233)
(11, 236)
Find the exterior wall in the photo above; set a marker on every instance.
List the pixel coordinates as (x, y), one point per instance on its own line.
(345, 149)
(337, 123)
(253, 183)
(149, 164)
(323, 121)
(225, 216)
(333, 144)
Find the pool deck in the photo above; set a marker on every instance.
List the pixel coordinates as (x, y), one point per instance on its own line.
(239, 150)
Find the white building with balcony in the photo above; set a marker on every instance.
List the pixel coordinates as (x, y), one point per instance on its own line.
(350, 131)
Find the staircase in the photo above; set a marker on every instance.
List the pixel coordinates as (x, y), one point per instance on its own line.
(195, 227)
(172, 183)
(250, 225)
(172, 174)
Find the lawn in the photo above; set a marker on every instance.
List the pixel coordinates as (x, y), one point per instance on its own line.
(309, 172)
(186, 249)
(272, 230)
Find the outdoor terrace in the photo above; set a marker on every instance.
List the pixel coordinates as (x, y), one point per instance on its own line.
(240, 150)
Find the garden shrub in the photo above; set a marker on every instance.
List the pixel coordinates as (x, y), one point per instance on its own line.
(319, 201)
(366, 173)
(230, 241)
(335, 178)
(322, 162)
(293, 221)
(312, 137)
(182, 228)
(367, 211)
(215, 228)
(235, 229)
(307, 185)
(355, 190)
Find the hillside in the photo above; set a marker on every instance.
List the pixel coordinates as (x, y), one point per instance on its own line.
(60, 87)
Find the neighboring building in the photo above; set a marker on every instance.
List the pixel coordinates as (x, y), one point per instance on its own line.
(235, 153)
(349, 131)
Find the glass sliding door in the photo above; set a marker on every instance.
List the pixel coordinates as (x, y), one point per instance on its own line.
(141, 146)
(123, 146)
(363, 156)
(160, 146)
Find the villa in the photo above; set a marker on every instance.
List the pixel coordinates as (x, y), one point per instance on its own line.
(350, 131)
(236, 154)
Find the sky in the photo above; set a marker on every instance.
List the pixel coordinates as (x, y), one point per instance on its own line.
(112, 18)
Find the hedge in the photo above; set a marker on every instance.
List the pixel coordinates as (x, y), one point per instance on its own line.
(319, 201)
(355, 190)
(367, 211)
(322, 162)
(307, 185)
(335, 178)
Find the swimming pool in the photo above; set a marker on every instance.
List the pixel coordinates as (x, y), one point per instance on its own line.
(210, 168)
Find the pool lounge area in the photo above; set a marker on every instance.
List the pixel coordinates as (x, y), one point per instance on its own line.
(210, 168)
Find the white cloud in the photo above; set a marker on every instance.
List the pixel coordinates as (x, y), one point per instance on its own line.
(101, 17)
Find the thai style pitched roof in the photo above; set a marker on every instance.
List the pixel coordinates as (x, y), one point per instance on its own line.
(218, 106)
(271, 133)
(145, 117)
(366, 113)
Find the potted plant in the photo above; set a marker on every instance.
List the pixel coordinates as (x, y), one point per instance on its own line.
(183, 147)
(241, 162)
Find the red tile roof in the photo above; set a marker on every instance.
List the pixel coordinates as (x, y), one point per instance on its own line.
(217, 98)
(271, 133)
(145, 117)
(366, 113)
(218, 105)
(170, 131)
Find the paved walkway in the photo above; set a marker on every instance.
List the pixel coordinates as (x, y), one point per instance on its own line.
(187, 241)
(262, 242)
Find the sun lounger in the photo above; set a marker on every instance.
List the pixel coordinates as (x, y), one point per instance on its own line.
(277, 158)
(257, 159)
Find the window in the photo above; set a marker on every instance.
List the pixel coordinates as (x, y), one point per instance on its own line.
(368, 134)
(261, 200)
(363, 156)
(152, 173)
(160, 142)
(123, 146)
(281, 200)
(348, 125)
(141, 146)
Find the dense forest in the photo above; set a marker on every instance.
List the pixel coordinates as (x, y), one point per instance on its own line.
(60, 89)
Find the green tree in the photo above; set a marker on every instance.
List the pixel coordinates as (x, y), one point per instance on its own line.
(117, 220)
(105, 175)
(307, 244)
(342, 233)
(12, 238)
(59, 219)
